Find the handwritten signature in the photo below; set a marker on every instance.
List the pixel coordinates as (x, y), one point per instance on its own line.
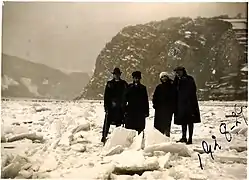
(238, 114)
(223, 130)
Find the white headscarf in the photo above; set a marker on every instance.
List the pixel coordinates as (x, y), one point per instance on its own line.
(163, 74)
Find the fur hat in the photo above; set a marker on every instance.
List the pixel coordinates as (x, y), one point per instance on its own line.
(163, 74)
(137, 74)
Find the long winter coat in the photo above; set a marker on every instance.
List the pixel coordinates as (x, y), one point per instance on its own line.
(187, 108)
(113, 98)
(137, 107)
(164, 104)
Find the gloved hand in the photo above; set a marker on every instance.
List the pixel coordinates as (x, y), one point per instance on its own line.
(154, 106)
(147, 115)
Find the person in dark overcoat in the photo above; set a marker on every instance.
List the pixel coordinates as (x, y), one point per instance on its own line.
(113, 98)
(164, 103)
(187, 109)
(137, 104)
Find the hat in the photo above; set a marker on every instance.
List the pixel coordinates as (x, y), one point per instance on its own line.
(179, 68)
(137, 74)
(116, 71)
(163, 74)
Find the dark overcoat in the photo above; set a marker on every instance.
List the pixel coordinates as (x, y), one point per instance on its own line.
(187, 108)
(164, 103)
(113, 98)
(137, 106)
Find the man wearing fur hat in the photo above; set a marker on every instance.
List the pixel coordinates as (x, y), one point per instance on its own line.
(164, 103)
(187, 109)
(113, 96)
(137, 104)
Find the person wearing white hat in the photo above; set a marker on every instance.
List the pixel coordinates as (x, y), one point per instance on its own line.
(164, 103)
(163, 75)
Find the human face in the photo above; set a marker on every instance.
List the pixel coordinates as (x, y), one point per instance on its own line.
(164, 78)
(116, 76)
(136, 80)
(179, 73)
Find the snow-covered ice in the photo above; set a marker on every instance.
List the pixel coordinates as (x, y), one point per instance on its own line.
(71, 146)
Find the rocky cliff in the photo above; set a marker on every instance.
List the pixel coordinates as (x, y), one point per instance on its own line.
(209, 49)
(21, 78)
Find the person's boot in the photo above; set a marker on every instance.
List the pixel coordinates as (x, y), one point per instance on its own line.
(189, 141)
(103, 140)
(182, 140)
(167, 133)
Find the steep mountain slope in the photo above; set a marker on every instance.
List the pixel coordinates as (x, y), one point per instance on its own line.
(21, 78)
(207, 47)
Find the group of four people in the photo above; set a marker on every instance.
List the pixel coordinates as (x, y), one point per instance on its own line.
(128, 104)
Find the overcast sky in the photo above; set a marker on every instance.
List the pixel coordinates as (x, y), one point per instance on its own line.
(70, 36)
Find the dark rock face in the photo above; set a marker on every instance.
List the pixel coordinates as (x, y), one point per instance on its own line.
(21, 78)
(208, 48)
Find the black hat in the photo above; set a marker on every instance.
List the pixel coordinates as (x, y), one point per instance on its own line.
(137, 74)
(116, 71)
(179, 68)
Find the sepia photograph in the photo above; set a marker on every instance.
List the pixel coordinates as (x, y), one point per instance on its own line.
(124, 90)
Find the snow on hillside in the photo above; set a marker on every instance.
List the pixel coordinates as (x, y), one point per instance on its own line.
(7, 81)
(34, 83)
(208, 48)
(60, 155)
(31, 87)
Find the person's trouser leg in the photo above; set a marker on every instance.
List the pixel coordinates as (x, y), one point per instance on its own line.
(168, 125)
(167, 128)
(139, 130)
(105, 131)
(190, 131)
(184, 133)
